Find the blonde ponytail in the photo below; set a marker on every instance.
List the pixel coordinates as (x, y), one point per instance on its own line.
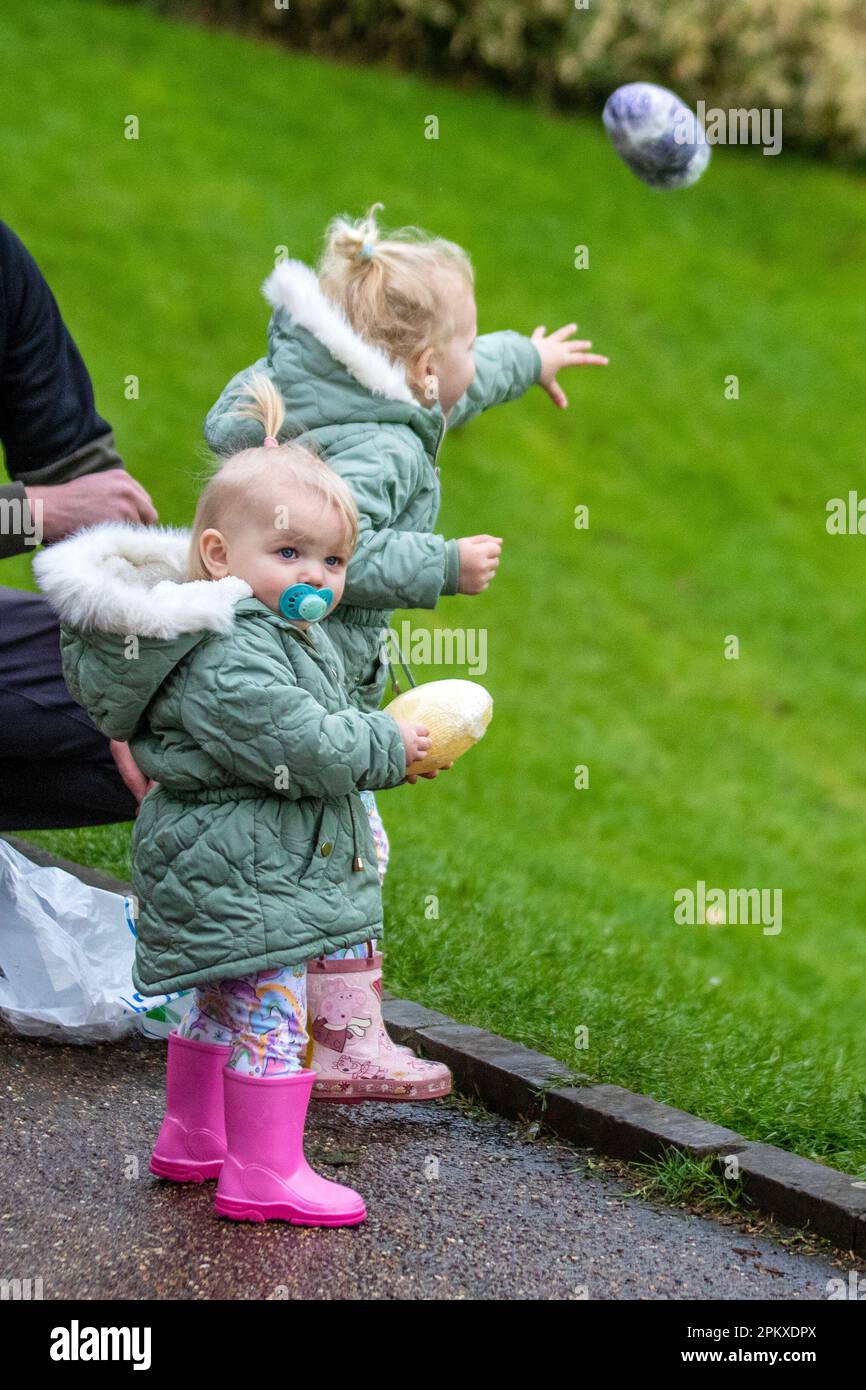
(391, 288)
(265, 405)
(353, 241)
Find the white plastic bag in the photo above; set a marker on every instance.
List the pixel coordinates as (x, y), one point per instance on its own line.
(66, 954)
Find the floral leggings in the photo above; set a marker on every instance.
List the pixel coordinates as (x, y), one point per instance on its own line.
(263, 1017)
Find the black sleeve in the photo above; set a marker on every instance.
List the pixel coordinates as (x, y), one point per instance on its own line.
(46, 398)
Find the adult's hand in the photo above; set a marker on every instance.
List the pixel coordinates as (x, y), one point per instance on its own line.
(113, 495)
(126, 765)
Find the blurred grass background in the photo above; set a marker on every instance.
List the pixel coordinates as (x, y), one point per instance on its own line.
(605, 646)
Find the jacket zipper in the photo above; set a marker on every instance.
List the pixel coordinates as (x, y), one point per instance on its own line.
(302, 634)
(357, 861)
(442, 427)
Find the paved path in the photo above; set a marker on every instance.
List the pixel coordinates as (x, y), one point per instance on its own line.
(460, 1206)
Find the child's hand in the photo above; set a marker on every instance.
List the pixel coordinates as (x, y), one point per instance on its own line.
(479, 557)
(555, 353)
(416, 741)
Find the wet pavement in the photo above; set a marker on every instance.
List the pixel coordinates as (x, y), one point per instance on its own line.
(461, 1206)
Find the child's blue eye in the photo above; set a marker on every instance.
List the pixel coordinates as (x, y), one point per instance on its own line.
(335, 558)
(285, 552)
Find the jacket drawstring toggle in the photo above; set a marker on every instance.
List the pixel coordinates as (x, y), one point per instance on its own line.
(357, 861)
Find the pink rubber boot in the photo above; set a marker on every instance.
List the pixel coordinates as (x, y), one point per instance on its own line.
(350, 1050)
(265, 1176)
(192, 1141)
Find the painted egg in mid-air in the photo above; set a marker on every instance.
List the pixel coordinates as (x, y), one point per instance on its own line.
(656, 135)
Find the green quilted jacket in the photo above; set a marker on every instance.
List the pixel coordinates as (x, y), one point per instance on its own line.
(255, 850)
(347, 395)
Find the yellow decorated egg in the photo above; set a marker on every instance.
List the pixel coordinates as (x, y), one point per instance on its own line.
(455, 712)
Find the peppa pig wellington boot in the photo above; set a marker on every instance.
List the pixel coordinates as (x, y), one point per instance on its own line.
(192, 1140)
(351, 1053)
(265, 1176)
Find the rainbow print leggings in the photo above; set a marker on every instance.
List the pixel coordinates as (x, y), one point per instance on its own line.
(263, 1017)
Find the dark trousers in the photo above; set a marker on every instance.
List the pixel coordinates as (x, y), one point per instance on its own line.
(56, 768)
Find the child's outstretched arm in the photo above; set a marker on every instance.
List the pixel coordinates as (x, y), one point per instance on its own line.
(243, 707)
(508, 363)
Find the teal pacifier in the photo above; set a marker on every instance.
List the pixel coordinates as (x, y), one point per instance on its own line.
(303, 601)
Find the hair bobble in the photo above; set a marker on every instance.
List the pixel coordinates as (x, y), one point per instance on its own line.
(270, 442)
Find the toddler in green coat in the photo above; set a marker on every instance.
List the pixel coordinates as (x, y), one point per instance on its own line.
(375, 355)
(252, 854)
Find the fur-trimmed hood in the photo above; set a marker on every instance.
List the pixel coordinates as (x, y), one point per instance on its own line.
(120, 578)
(293, 286)
(127, 618)
(329, 376)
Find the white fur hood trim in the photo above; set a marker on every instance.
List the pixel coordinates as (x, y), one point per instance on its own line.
(293, 286)
(121, 578)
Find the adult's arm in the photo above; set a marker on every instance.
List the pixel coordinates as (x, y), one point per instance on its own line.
(50, 429)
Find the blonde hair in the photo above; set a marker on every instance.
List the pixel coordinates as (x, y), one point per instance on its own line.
(225, 499)
(388, 286)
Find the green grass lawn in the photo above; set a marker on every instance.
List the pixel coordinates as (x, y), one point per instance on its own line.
(606, 645)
